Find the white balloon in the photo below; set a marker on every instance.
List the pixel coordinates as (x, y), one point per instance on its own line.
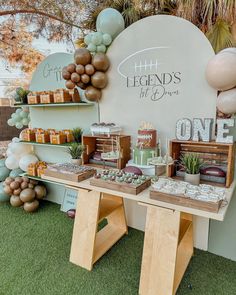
(9, 153)
(20, 148)
(15, 139)
(221, 70)
(12, 162)
(226, 101)
(26, 160)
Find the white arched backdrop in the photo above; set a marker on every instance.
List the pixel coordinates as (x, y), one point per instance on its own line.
(157, 74)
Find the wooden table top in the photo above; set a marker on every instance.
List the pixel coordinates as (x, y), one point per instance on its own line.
(144, 197)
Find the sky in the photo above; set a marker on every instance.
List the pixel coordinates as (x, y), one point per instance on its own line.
(7, 73)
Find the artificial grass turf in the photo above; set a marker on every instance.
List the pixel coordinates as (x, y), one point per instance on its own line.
(34, 259)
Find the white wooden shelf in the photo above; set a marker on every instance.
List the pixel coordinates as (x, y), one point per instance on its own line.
(46, 144)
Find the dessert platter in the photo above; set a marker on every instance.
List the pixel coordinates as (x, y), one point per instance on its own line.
(203, 196)
(121, 181)
(69, 171)
(105, 128)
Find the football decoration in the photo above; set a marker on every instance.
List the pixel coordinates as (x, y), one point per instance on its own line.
(87, 72)
(22, 192)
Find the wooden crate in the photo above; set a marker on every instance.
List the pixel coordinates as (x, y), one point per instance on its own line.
(102, 143)
(186, 202)
(210, 152)
(121, 187)
(77, 177)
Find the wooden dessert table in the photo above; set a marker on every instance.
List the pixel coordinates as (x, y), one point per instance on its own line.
(168, 242)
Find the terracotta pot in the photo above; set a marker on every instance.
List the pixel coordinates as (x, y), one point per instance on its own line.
(76, 161)
(192, 178)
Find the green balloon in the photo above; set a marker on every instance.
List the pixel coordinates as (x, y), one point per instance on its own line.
(24, 114)
(25, 121)
(18, 111)
(10, 122)
(106, 39)
(110, 21)
(19, 125)
(16, 172)
(88, 39)
(101, 48)
(4, 173)
(97, 38)
(2, 162)
(92, 47)
(3, 196)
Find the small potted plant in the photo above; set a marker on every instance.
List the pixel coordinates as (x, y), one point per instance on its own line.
(75, 150)
(77, 134)
(192, 164)
(21, 95)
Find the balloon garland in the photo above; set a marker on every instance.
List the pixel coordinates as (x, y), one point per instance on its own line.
(22, 192)
(221, 75)
(90, 64)
(88, 72)
(20, 118)
(19, 155)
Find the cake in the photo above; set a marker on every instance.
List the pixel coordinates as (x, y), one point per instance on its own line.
(146, 147)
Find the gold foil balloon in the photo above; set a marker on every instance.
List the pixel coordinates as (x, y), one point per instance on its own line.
(65, 74)
(75, 77)
(27, 195)
(82, 56)
(71, 68)
(31, 206)
(81, 85)
(92, 93)
(101, 62)
(99, 80)
(80, 69)
(85, 78)
(70, 84)
(89, 69)
(15, 201)
(226, 101)
(221, 70)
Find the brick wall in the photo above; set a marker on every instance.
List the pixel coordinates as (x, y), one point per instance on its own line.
(7, 132)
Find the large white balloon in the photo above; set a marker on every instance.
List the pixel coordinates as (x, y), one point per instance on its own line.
(26, 160)
(12, 162)
(226, 101)
(110, 21)
(20, 148)
(221, 70)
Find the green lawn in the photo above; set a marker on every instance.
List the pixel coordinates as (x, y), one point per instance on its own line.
(34, 254)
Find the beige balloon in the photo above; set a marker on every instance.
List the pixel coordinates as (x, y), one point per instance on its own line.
(226, 101)
(221, 70)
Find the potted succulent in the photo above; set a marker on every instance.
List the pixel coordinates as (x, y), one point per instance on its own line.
(192, 164)
(75, 150)
(21, 95)
(77, 134)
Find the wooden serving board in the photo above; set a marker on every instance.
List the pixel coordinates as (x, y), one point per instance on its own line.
(184, 201)
(121, 187)
(70, 176)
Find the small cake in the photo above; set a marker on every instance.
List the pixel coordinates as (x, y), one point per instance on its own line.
(146, 147)
(147, 136)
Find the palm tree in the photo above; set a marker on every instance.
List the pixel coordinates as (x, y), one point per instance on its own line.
(216, 18)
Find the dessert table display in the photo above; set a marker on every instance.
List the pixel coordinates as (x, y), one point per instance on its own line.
(109, 92)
